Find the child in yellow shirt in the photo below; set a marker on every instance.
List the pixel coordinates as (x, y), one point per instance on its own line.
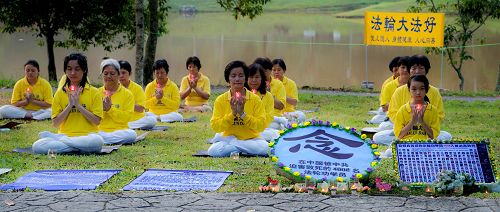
(417, 119)
(195, 88)
(118, 106)
(239, 115)
(139, 120)
(31, 97)
(380, 115)
(162, 94)
(76, 112)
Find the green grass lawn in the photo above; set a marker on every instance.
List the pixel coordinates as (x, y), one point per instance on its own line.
(172, 149)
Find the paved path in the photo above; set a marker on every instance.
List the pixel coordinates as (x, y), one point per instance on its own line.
(167, 201)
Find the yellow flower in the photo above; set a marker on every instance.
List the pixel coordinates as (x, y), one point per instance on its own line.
(374, 146)
(286, 168)
(308, 177)
(359, 176)
(274, 159)
(296, 174)
(281, 132)
(376, 153)
(270, 144)
(294, 125)
(363, 136)
(340, 179)
(374, 163)
(334, 124)
(307, 123)
(347, 128)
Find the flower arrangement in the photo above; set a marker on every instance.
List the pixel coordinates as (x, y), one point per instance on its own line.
(300, 176)
(448, 182)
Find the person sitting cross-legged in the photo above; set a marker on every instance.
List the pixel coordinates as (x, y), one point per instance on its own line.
(239, 115)
(76, 112)
(118, 106)
(139, 120)
(195, 88)
(31, 97)
(162, 94)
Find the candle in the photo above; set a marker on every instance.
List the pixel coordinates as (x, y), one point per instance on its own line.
(238, 95)
(418, 107)
(107, 93)
(191, 77)
(333, 191)
(323, 187)
(486, 194)
(72, 87)
(28, 90)
(274, 188)
(254, 91)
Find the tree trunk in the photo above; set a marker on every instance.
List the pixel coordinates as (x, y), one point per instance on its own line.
(498, 80)
(151, 42)
(49, 37)
(139, 41)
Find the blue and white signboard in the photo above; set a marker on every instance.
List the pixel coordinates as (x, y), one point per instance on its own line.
(323, 152)
(178, 180)
(421, 162)
(61, 180)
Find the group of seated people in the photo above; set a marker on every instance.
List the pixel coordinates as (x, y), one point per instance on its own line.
(260, 102)
(410, 108)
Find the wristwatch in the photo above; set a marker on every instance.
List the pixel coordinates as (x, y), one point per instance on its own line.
(243, 115)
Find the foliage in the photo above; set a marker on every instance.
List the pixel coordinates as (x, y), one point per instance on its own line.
(243, 8)
(449, 181)
(471, 15)
(78, 23)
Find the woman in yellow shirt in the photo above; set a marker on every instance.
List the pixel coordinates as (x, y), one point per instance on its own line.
(118, 107)
(195, 88)
(292, 95)
(31, 97)
(417, 119)
(239, 115)
(162, 94)
(278, 91)
(76, 112)
(256, 82)
(139, 120)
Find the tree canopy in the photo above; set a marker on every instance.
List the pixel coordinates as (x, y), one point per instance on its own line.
(76, 23)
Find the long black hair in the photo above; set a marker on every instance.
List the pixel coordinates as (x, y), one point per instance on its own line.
(254, 69)
(82, 62)
(422, 79)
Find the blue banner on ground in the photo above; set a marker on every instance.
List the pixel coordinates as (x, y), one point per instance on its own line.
(61, 180)
(178, 180)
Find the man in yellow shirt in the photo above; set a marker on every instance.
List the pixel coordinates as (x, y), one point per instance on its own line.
(278, 91)
(117, 106)
(239, 115)
(139, 120)
(195, 88)
(77, 110)
(162, 94)
(31, 97)
(292, 95)
(380, 115)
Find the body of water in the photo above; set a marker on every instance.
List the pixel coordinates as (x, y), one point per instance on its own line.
(319, 50)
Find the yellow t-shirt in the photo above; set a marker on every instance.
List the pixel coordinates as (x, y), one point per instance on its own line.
(120, 113)
(278, 91)
(387, 91)
(268, 103)
(170, 101)
(42, 91)
(403, 117)
(249, 127)
(76, 124)
(291, 92)
(193, 99)
(139, 98)
(391, 78)
(402, 95)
